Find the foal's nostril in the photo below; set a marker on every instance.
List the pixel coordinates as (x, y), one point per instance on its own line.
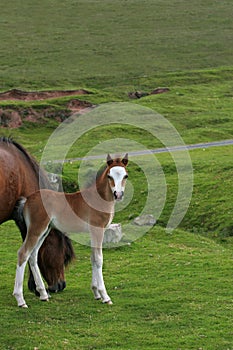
(118, 195)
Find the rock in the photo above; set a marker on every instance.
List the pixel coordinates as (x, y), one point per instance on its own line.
(137, 94)
(76, 105)
(113, 234)
(10, 118)
(140, 94)
(55, 181)
(145, 220)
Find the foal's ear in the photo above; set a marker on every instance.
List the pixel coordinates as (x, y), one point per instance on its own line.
(125, 159)
(109, 160)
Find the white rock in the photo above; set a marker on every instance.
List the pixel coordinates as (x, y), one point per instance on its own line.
(113, 234)
(145, 220)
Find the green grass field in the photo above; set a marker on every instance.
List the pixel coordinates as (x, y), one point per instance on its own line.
(170, 291)
(108, 43)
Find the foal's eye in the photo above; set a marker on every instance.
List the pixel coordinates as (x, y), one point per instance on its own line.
(110, 177)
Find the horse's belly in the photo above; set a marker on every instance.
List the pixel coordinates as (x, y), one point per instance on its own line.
(69, 225)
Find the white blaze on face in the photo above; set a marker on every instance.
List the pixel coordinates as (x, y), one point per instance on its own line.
(117, 176)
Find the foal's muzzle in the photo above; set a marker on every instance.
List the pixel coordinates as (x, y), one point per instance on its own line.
(118, 195)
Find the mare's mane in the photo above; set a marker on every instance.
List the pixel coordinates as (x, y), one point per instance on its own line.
(39, 173)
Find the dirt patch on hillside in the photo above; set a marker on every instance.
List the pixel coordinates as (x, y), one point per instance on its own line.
(16, 94)
(13, 116)
(140, 94)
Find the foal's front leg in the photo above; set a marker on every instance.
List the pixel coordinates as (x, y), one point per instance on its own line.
(98, 285)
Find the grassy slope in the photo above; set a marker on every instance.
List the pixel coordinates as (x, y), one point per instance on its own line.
(169, 292)
(104, 43)
(199, 105)
(186, 107)
(210, 209)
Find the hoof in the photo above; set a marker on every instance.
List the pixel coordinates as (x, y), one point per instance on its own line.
(47, 299)
(109, 302)
(24, 306)
(98, 298)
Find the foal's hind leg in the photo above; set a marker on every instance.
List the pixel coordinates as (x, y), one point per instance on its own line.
(29, 251)
(40, 287)
(23, 256)
(18, 289)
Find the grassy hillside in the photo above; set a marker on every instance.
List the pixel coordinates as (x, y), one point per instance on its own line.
(104, 43)
(169, 292)
(198, 105)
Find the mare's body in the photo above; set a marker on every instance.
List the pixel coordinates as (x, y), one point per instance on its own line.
(20, 176)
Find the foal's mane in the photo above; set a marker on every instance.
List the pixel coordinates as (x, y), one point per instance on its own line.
(40, 174)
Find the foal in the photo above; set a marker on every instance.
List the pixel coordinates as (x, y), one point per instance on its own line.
(90, 210)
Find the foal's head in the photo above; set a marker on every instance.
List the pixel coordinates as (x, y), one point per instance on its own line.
(117, 175)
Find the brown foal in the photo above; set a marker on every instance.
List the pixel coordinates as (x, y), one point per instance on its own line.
(90, 210)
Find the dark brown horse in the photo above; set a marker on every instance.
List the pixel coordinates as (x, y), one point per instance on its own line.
(20, 175)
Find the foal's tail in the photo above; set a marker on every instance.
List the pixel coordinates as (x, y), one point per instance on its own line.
(18, 217)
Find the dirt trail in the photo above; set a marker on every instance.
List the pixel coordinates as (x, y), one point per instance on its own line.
(20, 95)
(13, 116)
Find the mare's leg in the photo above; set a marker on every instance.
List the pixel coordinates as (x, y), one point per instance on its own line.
(98, 285)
